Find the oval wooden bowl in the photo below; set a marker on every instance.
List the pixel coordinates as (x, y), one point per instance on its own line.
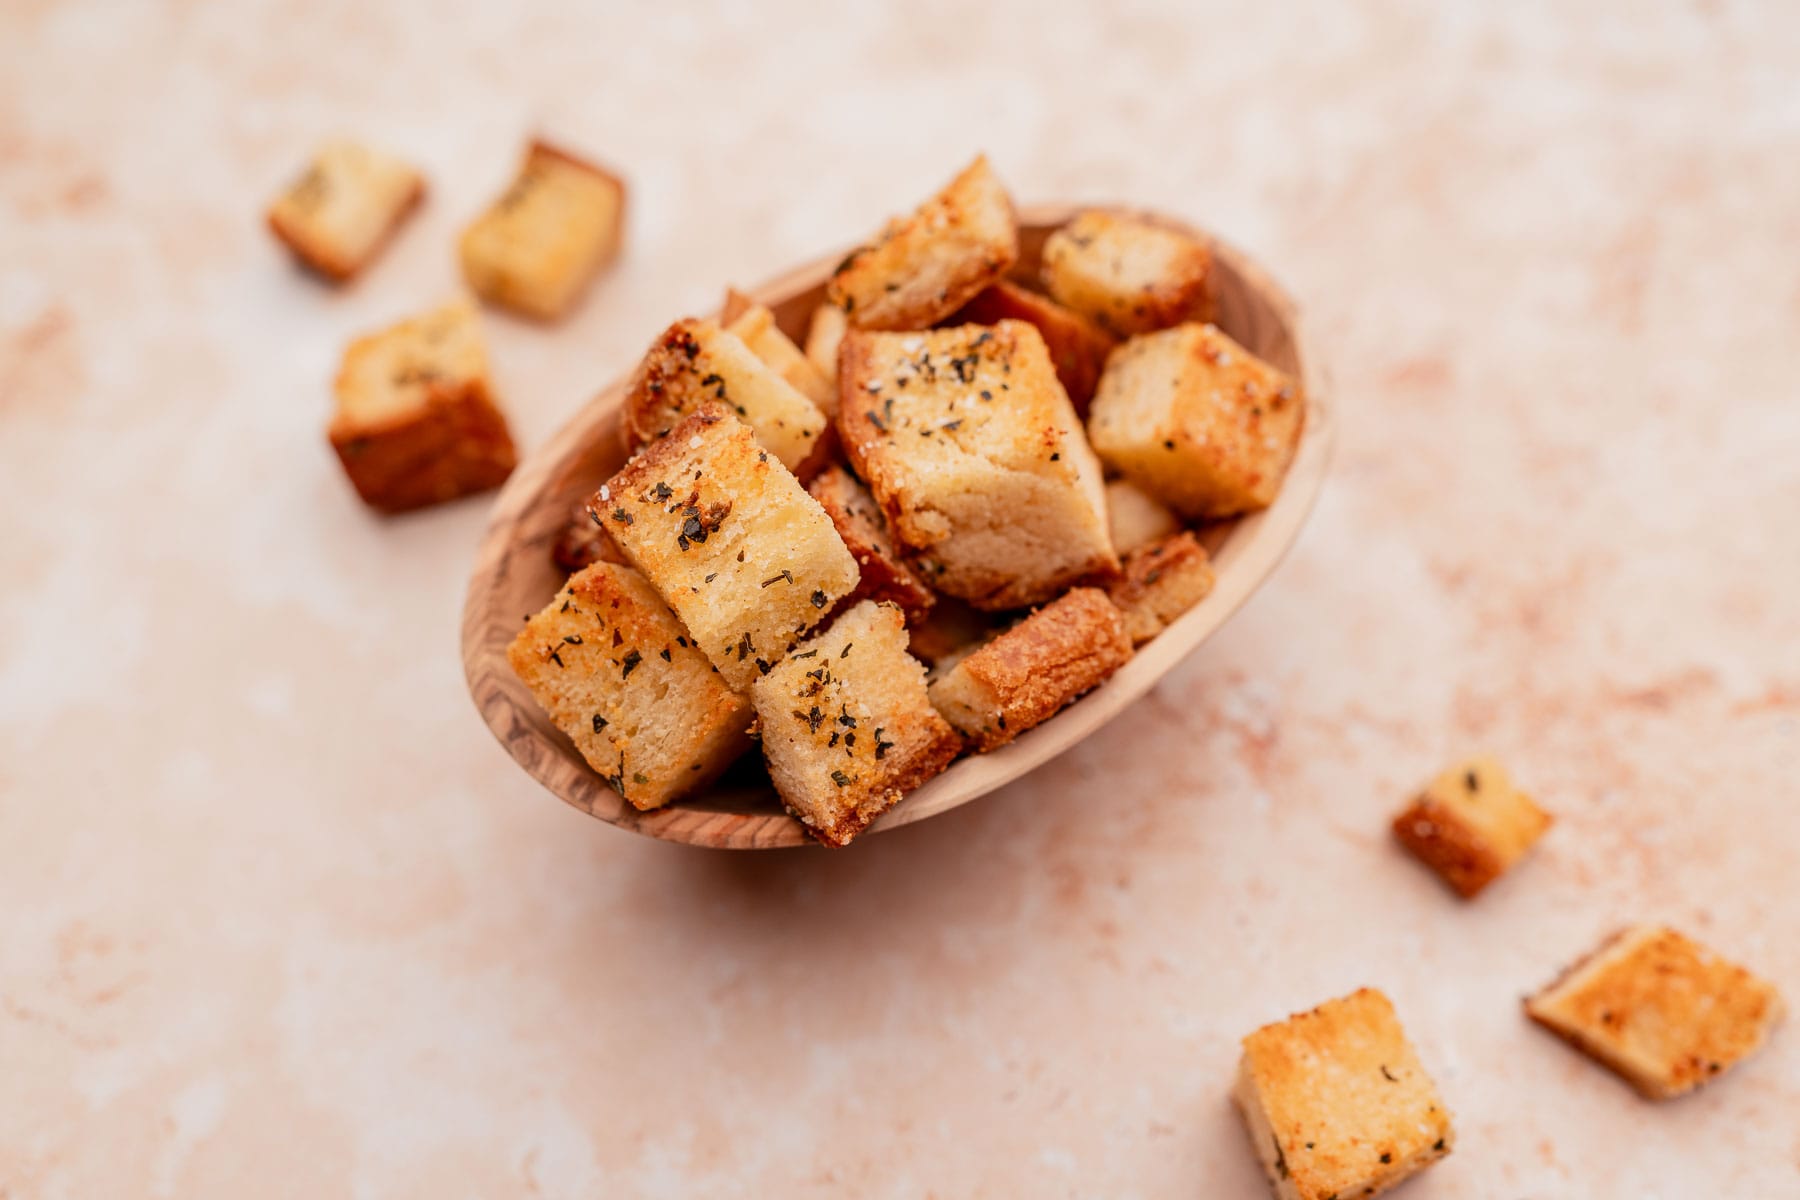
(514, 576)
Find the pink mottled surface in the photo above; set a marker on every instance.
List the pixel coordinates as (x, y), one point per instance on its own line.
(280, 918)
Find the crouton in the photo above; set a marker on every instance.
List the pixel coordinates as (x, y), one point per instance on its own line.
(1077, 346)
(923, 267)
(1159, 582)
(755, 326)
(1027, 674)
(694, 363)
(416, 423)
(1196, 421)
(1136, 519)
(824, 335)
(949, 630)
(582, 543)
(340, 213)
(1471, 825)
(1127, 275)
(977, 459)
(1663, 1011)
(846, 726)
(618, 674)
(885, 575)
(540, 245)
(1336, 1102)
(727, 535)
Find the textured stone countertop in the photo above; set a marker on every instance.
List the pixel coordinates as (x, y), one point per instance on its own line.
(278, 917)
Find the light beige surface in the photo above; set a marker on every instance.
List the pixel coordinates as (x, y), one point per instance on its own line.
(281, 919)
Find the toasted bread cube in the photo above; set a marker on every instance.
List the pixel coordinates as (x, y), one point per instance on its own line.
(340, 213)
(755, 326)
(948, 632)
(824, 337)
(1662, 1010)
(694, 363)
(1077, 346)
(744, 556)
(1471, 825)
(923, 267)
(542, 242)
(1197, 421)
(1128, 275)
(846, 725)
(1159, 582)
(977, 459)
(416, 423)
(1336, 1102)
(1135, 518)
(1027, 674)
(582, 543)
(885, 575)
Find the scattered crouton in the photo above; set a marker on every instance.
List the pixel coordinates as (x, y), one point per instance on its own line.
(923, 267)
(582, 543)
(755, 326)
(1128, 275)
(1663, 1011)
(1135, 518)
(824, 335)
(846, 725)
(416, 423)
(1336, 1101)
(337, 216)
(1159, 582)
(885, 575)
(1077, 346)
(1471, 825)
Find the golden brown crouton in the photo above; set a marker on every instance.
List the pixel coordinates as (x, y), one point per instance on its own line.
(885, 575)
(1336, 1102)
(824, 336)
(1027, 674)
(339, 214)
(846, 726)
(949, 631)
(727, 535)
(1660, 1009)
(1077, 346)
(1159, 582)
(617, 673)
(1136, 519)
(416, 423)
(755, 326)
(1471, 825)
(1196, 421)
(694, 363)
(977, 459)
(923, 267)
(1129, 276)
(539, 246)
(582, 543)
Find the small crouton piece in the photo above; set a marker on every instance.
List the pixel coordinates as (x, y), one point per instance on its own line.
(744, 556)
(582, 543)
(885, 575)
(923, 267)
(618, 674)
(1159, 582)
(1077, 346)
(824, 336)
(846, 726)
(1027, 674)
(694, 363)
(970, 445)
(950, 630)
(1471, 825)
(755, 326)
(1136, 519)
(540, 245)
(1197, 421)
(1128, 275)
(340, 213)
(1662, 1010)
(416, 423)
(1336, 1102)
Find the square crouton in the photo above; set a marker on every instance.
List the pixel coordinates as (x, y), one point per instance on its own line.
(538, 247)
(970, 445)
(1128, 275)
(824, 337)
(1159, 582)
(1336, 1102)
(1660, 1009)
(1197, 421)
(339, 214)
(618, 674)
(1471, 825)
(416, 423)
(885, 575)
(923, 267)
(1027, 674)
(744, 556)
(846, 725)
(1077, 346)
(755, 326)
(1136, 518)
(694, 363)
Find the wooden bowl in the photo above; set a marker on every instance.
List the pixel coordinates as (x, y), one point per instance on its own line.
(514, 575)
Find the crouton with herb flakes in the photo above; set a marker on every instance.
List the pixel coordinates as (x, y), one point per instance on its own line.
(1077, 346)
(337, 216)
(1159, 583)
(727, 535)
(1471, 825)
(885, 575)
(754, 325)
(846, 725)
(1128, 275)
